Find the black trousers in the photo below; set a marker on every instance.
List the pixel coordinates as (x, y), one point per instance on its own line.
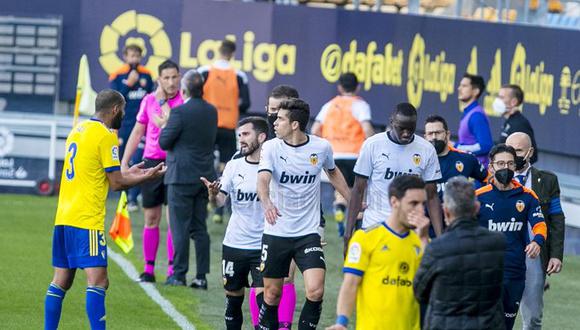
(187, 214)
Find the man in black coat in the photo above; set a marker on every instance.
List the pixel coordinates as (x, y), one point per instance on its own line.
(189, 138)
(460, 276)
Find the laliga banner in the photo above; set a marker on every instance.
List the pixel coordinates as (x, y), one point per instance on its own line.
(397, 58)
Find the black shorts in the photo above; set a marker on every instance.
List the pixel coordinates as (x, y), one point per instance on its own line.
(278, 252)
(346, 166)
(154, 191)
(237, 264)
(226, 144)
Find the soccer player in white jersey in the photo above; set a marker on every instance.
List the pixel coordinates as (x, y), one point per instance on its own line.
(289, 190)
(243, 238)
(384, 156)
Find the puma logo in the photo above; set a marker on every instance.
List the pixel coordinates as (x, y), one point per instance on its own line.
(490, 206)
(284, 159)
(241, 176)
(386, 155)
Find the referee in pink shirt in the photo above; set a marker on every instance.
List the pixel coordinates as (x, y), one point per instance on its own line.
(152, 115)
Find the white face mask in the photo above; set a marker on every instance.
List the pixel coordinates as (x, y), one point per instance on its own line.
(498, 106)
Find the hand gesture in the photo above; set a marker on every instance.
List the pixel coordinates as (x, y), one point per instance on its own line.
(213, 188)
(554, 266)
(154, 172)
(532, 250)
(132, 78)
(420, 222)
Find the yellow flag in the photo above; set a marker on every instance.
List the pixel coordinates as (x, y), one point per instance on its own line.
(121, 228)
(86, 96)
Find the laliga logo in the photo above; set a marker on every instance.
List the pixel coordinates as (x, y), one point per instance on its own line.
(143, 30)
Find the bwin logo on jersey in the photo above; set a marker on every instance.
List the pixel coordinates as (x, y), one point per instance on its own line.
(304, 179)
(512, 225)
(390, 174)
(246, 196)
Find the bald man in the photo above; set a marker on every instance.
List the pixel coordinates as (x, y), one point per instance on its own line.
(545, 185)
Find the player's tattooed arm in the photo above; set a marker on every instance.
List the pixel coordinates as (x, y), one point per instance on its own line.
(338, 182)
(216, 197)
(135, 175)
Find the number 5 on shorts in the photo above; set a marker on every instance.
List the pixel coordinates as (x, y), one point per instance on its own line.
(264, 252)
(228, 268)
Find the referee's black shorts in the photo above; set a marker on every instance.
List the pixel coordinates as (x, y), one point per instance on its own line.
(154, 192)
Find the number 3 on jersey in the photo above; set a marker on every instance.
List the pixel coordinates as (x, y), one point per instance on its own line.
(72, 152)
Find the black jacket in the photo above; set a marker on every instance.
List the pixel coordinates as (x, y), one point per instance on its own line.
(545, 185)
(517, 122)
(460, 277)
(189, 139)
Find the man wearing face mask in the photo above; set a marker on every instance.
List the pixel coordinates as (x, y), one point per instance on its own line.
(385, 156)
(508, 207)
(508, 105)
(545, 185)
(453, 162)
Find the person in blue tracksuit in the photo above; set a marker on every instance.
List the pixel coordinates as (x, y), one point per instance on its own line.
(508, 207)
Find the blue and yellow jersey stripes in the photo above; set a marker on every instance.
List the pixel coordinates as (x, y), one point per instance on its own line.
(387, 263)
(510, 212)
(91, 151)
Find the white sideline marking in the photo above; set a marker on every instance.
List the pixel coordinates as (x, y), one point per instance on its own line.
(151, 291)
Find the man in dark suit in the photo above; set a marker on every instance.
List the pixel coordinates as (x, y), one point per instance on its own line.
(189, 138)
(545, 185)
(460, 276)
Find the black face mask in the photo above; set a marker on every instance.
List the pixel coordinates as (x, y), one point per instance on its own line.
(439, 145)
(520, 163)
(271, 119)
(504, 176)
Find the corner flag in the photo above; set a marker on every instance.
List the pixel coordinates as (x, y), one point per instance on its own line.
(121, 228)
(85, 96)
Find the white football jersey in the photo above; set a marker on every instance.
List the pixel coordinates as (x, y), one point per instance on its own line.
(246, 225)
(381, 160)
(295, 184)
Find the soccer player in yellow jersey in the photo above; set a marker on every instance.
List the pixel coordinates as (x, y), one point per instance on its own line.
(91, 165)
(381, 263)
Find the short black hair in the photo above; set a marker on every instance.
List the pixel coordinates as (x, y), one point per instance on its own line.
(517, 92)
(227, 48)
(348, 82)
(405, 109)
(259, 124)
(107, 99)
(437, 119)
(499, 148)
(298, 110)
(167, 64)
(134, 48)
(284, 92)
(192, 82)
(402, 183)
(476, 82)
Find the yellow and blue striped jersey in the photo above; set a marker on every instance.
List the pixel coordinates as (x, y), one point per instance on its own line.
(387, 263)
(91, 150)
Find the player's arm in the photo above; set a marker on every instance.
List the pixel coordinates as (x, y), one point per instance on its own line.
(136, 134)
(354, 205)
(244, 102)
(271, 213)
(434, 207)
(368, 129)
(316, 128)
(133, 176)
(539, 228)
(346, 300)
(338, 182)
